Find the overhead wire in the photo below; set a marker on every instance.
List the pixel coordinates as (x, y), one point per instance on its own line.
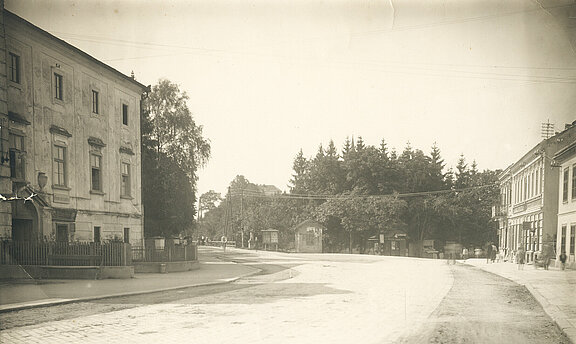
(256, 194)
(411, 69)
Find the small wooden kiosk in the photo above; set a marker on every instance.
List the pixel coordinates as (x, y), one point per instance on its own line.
(270, 239)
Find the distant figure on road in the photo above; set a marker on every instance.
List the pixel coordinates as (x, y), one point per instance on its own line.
(464, 253)
(224, 241)
(520, 259)
(494, 252)
(488, 252)
(563, 260)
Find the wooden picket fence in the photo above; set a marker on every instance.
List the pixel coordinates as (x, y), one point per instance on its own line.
(65, 253)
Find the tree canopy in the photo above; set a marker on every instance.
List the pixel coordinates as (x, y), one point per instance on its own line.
(173, 149)
(365, 190)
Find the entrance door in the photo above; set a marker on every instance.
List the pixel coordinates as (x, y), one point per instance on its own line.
(62, 233)
(22, 230)
(127, 235)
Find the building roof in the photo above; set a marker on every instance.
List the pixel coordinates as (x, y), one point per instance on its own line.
(269, 189)
(48, 35)
(565, 153)
(309, 222)
(548, 147)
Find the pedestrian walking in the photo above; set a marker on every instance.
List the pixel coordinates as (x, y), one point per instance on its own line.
(464, 253)
(520, 259)
(488, 252)
(494, 252)
(563, 260)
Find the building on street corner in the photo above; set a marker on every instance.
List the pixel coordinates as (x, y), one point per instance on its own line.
(527, 213)
(70, 140)
(566, 230)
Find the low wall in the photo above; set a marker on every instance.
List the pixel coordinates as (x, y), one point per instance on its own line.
(20, 272)
(116, 272)
(165, 267)
(64, 272)
(70, 272)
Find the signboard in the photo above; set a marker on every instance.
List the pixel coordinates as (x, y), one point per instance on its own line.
(527, 226)
(270, 236)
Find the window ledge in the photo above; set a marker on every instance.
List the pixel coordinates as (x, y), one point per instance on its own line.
(126, 197)
(14, 84)
(61, 187)
(97, 192)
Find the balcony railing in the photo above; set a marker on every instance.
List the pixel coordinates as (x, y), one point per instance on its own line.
(499, 211)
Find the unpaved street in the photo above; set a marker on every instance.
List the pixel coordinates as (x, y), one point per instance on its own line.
(485, 308)
(305, 299)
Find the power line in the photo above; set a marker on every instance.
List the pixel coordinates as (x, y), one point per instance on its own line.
(455, 21)
(255, 194)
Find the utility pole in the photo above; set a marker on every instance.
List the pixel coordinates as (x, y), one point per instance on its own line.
(228, 215)
(242, 215)
(547, 130)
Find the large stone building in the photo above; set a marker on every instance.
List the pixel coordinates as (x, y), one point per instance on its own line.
(528, 211)
(70, 138)
(566, 231)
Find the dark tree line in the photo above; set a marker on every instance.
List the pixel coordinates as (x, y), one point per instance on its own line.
(364, 190)
(173, 149)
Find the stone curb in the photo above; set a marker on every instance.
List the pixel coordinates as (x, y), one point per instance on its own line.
(557, 316)
(47, 303)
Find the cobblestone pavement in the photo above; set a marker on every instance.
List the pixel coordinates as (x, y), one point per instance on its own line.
(364, 299)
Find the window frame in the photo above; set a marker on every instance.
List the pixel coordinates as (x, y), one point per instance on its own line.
(95, 102)
(17, 172)
(58, 86)
(97, 233)
(572, 235)
(57, 162)
(565, 176)
(574, 182)
(14, 68)
(98, 168)
(125, 185)
(563, 238)
(124, 114)
(126, 235)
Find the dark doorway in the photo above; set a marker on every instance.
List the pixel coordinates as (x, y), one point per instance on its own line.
(97, 237)
(62, 233)
(22, 230)
(127, 235)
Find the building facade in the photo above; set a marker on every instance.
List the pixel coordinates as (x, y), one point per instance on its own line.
(566, 229)
(70, 141)
(528, 211)
(308, 237)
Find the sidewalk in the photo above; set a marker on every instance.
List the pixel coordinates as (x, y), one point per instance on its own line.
(23, 294)
(554, 289)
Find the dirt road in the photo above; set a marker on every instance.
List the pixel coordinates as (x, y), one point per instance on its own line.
(485, 308)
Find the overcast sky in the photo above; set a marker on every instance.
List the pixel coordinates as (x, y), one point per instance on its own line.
(267, 78)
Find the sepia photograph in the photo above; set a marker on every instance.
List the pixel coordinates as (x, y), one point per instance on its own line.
(303, 171)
